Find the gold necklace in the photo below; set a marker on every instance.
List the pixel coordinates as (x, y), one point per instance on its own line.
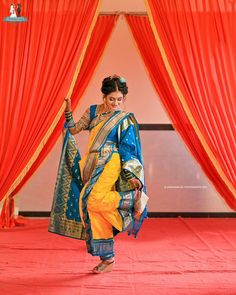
(102, 116)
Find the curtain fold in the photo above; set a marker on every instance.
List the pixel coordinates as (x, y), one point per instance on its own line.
(99, 38)
(38, 60)
(191, 67)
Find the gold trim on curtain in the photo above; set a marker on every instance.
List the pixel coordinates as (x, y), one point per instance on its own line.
(59, 114)
(185, 106)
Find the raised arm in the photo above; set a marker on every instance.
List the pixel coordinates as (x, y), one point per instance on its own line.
(83, 122)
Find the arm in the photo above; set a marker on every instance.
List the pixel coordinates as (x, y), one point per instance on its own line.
(130, 151)
(82, 124)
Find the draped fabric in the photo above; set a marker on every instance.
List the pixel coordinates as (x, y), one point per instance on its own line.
(101, 205)
(101, 34)
(189, 51)
(38, 60)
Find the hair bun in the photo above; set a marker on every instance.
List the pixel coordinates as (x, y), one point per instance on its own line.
(111, 83)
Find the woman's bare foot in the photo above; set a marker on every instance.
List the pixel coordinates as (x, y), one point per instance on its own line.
(104, 266)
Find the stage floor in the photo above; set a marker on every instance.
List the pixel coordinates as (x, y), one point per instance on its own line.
(170, 256)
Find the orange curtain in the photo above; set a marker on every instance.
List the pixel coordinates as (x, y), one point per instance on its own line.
(101, 34)
(38, 60)
(191, 61)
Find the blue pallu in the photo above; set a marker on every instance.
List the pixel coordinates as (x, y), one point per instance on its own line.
(65, 217)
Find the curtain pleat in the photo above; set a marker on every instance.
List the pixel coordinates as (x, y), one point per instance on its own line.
(198, 87)
(100, 36)
(38, 59)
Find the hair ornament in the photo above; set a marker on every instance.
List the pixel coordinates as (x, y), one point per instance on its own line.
(122, 79)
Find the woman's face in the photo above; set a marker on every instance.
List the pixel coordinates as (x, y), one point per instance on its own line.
(114, 101)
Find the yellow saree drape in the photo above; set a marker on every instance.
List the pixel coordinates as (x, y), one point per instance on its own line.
(103, 200)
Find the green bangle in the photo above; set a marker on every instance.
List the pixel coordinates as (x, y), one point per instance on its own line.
(128, 175)
(68, 116)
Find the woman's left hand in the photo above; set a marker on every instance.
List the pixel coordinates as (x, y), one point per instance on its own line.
(136, 183)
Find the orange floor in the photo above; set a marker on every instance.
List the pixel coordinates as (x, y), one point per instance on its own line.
(170, 256)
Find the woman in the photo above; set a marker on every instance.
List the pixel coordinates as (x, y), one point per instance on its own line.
(101, 194)
(12, 11)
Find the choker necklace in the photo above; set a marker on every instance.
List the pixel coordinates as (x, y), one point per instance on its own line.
(102, 116)
(105, 113)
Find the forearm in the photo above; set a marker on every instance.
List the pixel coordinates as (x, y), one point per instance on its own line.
(68, 116)
(83, 122)
(71, 125)
(70, 121)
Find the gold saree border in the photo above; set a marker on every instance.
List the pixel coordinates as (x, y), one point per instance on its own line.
(99, 139)
(60, 112)
(109, 124)
(185, 106)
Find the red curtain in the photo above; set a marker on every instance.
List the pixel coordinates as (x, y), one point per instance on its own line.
(190, 54)
(38, 60)
(101, 34)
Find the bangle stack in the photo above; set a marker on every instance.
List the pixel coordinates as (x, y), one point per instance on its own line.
(69, 119)
(129, 175)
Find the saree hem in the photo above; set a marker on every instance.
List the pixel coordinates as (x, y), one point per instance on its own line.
(65, 235)
(102, 247)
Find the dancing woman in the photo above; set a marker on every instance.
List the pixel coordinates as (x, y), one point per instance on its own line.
(103, 193)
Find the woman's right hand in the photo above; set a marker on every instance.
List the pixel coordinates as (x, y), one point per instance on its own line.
(68, 104)
(136, 183)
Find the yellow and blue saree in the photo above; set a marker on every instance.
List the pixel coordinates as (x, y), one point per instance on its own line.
(93, 199)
